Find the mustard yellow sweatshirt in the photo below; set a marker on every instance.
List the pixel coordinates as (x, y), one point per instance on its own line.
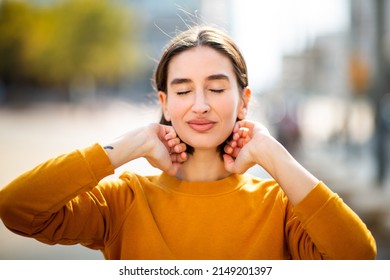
(65, 201)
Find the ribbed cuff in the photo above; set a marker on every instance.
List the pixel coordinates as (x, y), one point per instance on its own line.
(98, 161)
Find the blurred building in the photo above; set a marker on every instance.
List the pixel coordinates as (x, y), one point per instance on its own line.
(370, 44)
(158, 21)
(152, 22)
(336, 94)
(336, 88)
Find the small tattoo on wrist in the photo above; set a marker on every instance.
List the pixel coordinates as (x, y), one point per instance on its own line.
(108, 147)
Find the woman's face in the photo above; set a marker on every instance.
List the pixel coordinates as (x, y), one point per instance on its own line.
(203, 99)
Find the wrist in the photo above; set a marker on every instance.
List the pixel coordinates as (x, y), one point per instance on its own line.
(125, 148)
(271, 155)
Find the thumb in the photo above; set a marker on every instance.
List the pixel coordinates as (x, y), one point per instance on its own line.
(237, 165)
(229, 163)
(174, 168)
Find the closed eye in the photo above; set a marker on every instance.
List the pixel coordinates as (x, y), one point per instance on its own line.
(217, 90)
(183, 92)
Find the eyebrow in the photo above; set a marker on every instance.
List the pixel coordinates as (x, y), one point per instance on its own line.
(178, 81)
(218, 77)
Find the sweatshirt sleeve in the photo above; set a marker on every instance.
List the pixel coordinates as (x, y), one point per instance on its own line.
(336, 231)
(43, 202)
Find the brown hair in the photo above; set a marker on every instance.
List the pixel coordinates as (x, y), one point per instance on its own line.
(194, 37)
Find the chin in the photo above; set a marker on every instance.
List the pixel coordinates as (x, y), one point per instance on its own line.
(193, 146)
(206, 141)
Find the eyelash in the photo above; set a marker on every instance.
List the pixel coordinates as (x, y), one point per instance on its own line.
(212, 90)
(217, 90)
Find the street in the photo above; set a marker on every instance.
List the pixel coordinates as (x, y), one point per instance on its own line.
(33, 134)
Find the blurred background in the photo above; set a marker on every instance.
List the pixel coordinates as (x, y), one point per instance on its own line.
(75, 72)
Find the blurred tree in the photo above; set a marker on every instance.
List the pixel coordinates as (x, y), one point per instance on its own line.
(65, 41)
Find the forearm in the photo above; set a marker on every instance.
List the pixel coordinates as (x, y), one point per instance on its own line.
(337, 231)
(293, 178)
(158, 144)
(50, 185)
(126, 148)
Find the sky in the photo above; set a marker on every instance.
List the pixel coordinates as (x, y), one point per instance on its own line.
(266, 29)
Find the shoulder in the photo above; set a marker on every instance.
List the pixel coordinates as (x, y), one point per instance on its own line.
(252, 182)
(128, 180)
(121, 192)
(264, 187)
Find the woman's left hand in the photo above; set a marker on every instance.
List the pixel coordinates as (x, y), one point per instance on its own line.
(252, 144)
(248, 142)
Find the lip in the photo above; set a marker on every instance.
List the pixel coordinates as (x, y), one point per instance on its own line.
(201, 125)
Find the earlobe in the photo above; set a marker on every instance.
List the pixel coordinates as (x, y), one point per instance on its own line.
(242, 114)
(167, 116)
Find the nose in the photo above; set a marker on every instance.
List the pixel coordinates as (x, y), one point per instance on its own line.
(200, 105)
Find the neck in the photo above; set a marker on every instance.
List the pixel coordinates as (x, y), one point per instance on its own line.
(203, 166)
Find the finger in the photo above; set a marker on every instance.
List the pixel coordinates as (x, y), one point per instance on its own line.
(236, 136)
(235, 152)
(172, 170)
(232, 151)
(236, 127)
(170, 132)
(173, 142)
(228, 149)
(244, 132)
(231, 143)
(235, 165)
(241, 142)
(245, 123)
(183, 156)
(229, 163)
(179, 148)
(179, 158)
(247, 126)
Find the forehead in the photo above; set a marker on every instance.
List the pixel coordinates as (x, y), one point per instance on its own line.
(199, 62)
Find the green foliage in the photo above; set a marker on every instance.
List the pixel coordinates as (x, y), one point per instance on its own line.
(57, 43)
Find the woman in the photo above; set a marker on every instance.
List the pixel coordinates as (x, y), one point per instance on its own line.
(200, 207)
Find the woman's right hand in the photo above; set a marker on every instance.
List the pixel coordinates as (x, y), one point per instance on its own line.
(159, 144)
(166, 151)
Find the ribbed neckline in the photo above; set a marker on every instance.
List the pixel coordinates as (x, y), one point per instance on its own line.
(218, 187)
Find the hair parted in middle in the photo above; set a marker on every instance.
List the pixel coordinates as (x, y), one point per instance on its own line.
(196, 36)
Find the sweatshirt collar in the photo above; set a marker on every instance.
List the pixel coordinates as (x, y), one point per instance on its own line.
(218, 187)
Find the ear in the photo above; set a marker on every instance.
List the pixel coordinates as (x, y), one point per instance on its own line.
(162, 96)
(245, 98)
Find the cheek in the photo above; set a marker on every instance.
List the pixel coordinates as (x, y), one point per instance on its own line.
(175, 108)
(228, 113)
(176, 112)
(229, 110)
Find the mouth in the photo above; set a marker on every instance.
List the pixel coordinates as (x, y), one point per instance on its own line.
(201, 125)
